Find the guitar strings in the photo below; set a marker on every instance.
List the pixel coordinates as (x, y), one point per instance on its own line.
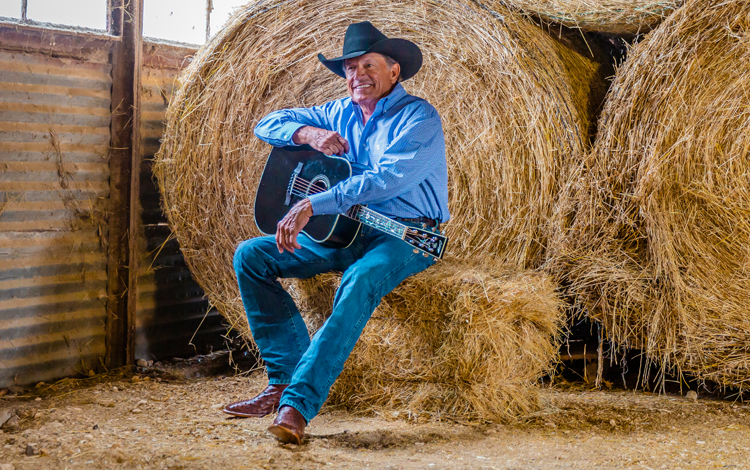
(408, 235)
(304, 188)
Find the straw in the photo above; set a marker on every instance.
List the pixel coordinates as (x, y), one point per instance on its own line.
(465, 342)
(623, 17)
(660, 246)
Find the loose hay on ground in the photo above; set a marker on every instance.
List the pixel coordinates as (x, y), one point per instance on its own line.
(515, 106)
(606, 16)
(660, 251)
(468, 341)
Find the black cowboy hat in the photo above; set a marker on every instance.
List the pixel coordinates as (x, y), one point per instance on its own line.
(363, 38)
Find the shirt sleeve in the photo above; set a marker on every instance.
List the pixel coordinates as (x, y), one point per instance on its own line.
(411, 156)
(278, 128)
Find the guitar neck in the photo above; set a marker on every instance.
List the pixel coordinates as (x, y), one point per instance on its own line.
(424, 240)
(377, 221)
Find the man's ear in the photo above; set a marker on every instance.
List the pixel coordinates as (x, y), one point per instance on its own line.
(395, 72)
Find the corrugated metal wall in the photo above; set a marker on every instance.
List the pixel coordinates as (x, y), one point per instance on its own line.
(54, 201)
(172, 309)
(54, 189)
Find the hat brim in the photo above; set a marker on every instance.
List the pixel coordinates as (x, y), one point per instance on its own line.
(406, 53)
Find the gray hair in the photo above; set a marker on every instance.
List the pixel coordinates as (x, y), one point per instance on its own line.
(390, 61)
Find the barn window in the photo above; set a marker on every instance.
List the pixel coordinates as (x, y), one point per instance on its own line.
(175, 20)
(221, 11)
(10, 8)
(189, 21)
(185, 21)
(90, 14)
(84, 13)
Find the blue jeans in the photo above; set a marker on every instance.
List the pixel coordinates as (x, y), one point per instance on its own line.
(373, 265)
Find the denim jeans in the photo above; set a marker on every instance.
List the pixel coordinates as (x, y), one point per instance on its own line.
(373, 265)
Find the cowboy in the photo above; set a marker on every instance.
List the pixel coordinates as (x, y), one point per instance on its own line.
(396, 146)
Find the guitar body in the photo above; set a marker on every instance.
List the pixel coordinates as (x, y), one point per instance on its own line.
(320, 172)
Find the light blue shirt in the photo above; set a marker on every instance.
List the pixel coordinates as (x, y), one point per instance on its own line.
(398, 157)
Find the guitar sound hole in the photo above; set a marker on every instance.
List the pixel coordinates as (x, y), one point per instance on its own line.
(318, 184)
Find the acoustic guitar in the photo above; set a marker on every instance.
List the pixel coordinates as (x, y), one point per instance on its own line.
(293, 173)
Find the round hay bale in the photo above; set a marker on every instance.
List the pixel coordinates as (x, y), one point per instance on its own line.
(515, 105)
(660, 251)
(467, 342)
(626, 17)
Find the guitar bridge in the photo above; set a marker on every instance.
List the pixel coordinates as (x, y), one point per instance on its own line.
(292, 181)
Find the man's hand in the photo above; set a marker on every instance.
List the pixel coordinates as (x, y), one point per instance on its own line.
(328, 142)
(292, 224)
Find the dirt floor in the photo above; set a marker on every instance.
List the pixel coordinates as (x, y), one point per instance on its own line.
(174, 421)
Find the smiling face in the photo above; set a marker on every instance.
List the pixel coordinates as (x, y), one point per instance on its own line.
(369, 78)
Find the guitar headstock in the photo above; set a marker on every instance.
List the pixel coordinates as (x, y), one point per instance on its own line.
(430, 243)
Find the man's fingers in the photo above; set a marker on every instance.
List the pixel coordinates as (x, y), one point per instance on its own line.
(334, 149)
(331, 143)
(291, 241)
(278, 240)
(344, 143)
(286, 238)
(288, 229)
(337, 147)
(281, 237)
(327, 147)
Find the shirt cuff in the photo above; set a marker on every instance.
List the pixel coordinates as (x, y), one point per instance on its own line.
(324, 203)
(287, 131)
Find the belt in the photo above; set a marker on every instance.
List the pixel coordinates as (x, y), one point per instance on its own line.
(420, 220)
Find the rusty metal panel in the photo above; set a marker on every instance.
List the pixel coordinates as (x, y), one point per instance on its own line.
(54, 191)
(173, 316)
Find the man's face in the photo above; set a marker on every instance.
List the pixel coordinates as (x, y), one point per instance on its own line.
(369, 78)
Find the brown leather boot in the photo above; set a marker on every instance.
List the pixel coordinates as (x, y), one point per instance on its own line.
(265, 403)
(289, 426)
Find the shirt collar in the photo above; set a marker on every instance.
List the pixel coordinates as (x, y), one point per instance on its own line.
(396, 94)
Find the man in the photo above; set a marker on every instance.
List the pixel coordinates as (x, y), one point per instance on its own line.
(396, 146)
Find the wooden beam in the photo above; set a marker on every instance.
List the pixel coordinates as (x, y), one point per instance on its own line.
(158, 55)
(55, 41)
(126, 17)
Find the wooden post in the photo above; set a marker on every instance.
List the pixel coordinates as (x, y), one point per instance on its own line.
(135, 181)
(209, 9)
(126, 21)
